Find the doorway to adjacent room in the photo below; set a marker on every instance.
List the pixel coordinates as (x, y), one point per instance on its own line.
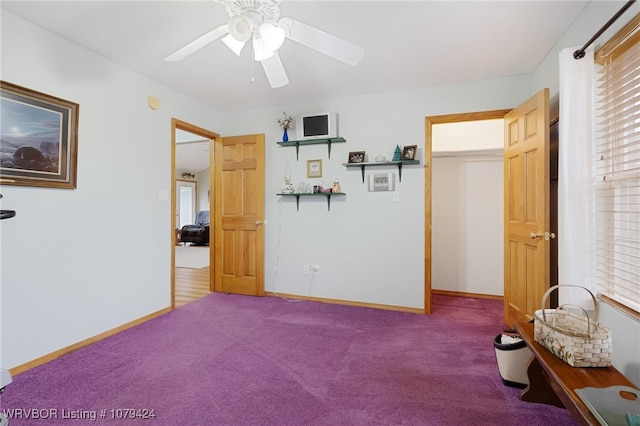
(192, 149)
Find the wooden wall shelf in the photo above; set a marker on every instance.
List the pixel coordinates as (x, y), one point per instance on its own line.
(399, 164)
(327, 141)
(312, 194)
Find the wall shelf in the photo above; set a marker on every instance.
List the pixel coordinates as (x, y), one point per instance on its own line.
(313, 194)
(327, 141)
(399, 164)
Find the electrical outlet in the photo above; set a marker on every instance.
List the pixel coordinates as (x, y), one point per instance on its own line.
(305, 269)
(396, 196)
(315, 269)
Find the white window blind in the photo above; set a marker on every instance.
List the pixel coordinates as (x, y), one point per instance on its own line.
(617, 170)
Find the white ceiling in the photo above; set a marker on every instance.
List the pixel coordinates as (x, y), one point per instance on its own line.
(407, 43)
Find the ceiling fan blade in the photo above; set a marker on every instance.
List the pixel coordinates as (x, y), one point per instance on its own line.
(275, 72)
(198, 43)
(321, 41)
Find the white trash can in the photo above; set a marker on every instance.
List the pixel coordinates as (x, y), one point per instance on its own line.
(513, 358)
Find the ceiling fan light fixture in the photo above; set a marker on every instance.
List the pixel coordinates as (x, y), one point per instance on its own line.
(233, 44)
(272, 35)
(259, 20)
(240, 28)
(260, 50)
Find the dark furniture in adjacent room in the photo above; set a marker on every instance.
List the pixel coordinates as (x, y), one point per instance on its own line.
(198, 233)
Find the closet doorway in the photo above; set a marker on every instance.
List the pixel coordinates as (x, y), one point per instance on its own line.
(192, 205)
(459, 160)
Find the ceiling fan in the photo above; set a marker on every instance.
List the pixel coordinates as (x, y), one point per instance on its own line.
(260, 22)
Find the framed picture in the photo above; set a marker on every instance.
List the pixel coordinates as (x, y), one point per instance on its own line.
(356, 157)
(409, 152)
(39, 138)
(314, 168)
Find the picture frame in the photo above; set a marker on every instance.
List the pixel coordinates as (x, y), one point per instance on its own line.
(409, 152)
(40, 138)
(356, 157)
(314, 168)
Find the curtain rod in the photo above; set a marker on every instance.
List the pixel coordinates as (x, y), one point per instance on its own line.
(579, 54)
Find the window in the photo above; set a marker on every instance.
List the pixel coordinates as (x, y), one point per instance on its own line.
(617, 168)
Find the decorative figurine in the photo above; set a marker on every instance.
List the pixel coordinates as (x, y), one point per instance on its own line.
(303, 188)
(336, 186)
(287, 188)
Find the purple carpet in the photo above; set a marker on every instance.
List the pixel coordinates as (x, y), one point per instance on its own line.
(238, 360)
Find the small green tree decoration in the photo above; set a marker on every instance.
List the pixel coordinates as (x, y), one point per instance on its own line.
(397, 154)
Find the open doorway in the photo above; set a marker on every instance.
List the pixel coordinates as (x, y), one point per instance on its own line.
(192, 175)
(429, 209)
(468, 209)
(429, 153)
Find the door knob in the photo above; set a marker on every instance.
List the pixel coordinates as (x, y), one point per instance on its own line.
(258, 222)
(547, 236)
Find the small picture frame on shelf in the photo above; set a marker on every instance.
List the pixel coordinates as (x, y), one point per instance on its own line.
(356, 157)
(314, 168)
(409, 152)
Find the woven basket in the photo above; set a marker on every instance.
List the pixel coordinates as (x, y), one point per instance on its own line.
(576, 339)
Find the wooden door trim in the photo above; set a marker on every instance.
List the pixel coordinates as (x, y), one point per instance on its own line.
(212, 136)
(428, 157)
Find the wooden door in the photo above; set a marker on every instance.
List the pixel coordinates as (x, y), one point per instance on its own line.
(526, 208)
(238, 229)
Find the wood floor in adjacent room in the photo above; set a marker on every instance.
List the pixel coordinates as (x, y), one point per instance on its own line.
(191, 284)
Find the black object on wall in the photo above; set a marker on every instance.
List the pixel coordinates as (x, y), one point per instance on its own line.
(7, 214)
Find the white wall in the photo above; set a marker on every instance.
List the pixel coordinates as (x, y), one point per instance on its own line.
(76, 263)
(369, 247)
(477, 135)
(204, 185)
(467, 225)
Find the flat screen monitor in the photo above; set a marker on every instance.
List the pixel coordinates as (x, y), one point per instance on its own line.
(317, 126)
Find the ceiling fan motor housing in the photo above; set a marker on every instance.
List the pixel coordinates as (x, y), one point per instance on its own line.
(248, 16)
(265, 10)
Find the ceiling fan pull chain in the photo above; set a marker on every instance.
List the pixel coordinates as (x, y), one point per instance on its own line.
(253, 63)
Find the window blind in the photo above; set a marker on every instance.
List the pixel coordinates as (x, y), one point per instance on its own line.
(617, 172)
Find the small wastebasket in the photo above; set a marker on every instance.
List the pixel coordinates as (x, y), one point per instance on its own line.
(513, 358)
